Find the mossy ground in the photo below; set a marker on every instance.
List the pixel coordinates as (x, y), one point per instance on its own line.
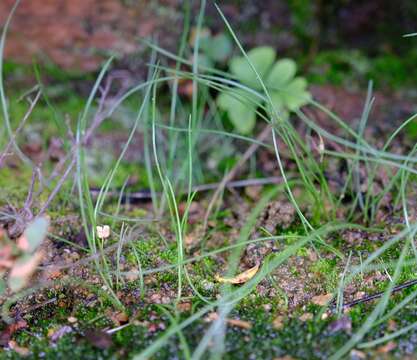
(310, 339)
(295, 336)
(301, 339)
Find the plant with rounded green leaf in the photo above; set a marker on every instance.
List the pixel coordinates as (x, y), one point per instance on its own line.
(214, 49)
(287, 91)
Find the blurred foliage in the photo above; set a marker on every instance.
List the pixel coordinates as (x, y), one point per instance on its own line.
(287, 92)
(352, 67)
(303, 19)
(214, 49)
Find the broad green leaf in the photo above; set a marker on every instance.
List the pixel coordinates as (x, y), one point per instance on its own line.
(35, 233)
(204, 36)
(295, 94)
(220, 48)
(240, 110)
(204, 60)
(279, 106)
(261, 58)
(282, 72)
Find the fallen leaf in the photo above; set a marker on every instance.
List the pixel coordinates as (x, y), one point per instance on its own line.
(392, 325)
(239, 323)
(53, 274)
(19, 349)
(312, 255)
(306, 316)
(184, 306)
(6, 334)
(321, 299)
(278, 322)
(118, 318)
(189, 240)
(253, 192)
(241, 278)
(132, 275)
(359, 295)
(389, 346)
(121, 317)
(103, 232)
(211, 317)
(233, 322)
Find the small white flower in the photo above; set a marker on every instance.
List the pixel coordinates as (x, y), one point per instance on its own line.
(103, 232)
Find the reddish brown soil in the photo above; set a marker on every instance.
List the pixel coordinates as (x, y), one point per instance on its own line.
(79, 34)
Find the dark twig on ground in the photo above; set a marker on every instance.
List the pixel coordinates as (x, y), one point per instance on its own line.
(368, 298)
(145, 194)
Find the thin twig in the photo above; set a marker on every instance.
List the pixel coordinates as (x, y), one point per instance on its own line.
(20, 127)
(112, 331)
(38, 306)
(145, 194)
(57, 187)
(368, 298)
(99, 117)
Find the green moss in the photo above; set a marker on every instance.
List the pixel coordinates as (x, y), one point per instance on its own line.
(354, 68)
(14, 184)
(328, 272)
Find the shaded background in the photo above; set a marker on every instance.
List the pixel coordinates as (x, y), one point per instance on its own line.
(339, 45)
(77, 34)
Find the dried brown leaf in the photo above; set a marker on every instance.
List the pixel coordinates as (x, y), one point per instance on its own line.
(321, 299)
(241, 278)
(6, 334)
(239, 323)
(22, 351)
(306, 316)
(389, 346)
(233, 322)
(278, 322)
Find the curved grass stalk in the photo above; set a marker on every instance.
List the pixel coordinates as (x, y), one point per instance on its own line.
(3, 99)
